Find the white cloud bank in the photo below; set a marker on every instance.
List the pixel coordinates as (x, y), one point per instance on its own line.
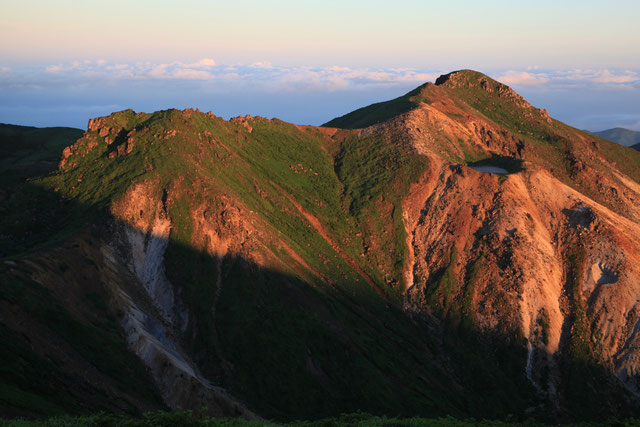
(563, 78)
(522, 78)
(265, 75)
(260, 73)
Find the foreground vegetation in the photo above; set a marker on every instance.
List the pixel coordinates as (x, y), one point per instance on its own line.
(187, 418)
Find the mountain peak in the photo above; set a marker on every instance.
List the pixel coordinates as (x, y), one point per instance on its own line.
(469, 87)
(470, 79)
(472, 83)
(462, 77)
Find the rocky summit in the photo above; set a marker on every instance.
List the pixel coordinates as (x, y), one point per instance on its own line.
(452, 252)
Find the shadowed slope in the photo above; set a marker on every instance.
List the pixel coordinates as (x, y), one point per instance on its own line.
(377, 113)
(289, 348)
(27, 151)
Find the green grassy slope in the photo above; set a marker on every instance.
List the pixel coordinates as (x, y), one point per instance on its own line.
(339, 181)
(377, 113)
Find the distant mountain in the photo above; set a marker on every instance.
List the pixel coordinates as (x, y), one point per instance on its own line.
(620, 136)
(636, 147)
(253, 266)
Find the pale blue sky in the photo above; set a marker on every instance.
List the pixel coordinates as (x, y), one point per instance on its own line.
(62, 62)
(487, 34)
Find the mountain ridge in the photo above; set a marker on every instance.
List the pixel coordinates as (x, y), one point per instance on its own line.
(291, 271)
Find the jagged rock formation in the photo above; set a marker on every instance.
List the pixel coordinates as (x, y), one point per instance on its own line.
(259, 267)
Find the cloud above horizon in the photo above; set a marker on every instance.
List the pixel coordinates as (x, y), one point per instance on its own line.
(293, 92)
(261, 74)
(522, 78)
(573, 77)
(266, 76)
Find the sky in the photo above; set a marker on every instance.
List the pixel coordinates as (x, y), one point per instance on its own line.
(63, 62)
